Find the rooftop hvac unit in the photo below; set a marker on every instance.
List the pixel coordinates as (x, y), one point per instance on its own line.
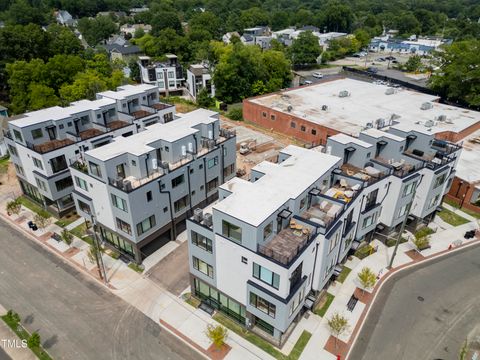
(154, 164)
(324, 107)
(395, 117)
(207, 220)
(211, 144)
(380, 123)
(127, 185)
(289, 108)
(441, 117)
(390, 91)
(429, 123)
(198, 215)
(184, 150)
(164, 164)
(449, 121)
(426, 106)
(343, 93)
(369, 125)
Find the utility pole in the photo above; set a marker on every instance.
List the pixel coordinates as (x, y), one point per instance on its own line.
(98, 253)
(402, 228)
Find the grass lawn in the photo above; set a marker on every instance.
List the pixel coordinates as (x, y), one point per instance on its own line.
(182, 105)
(24, 335)
(4, 164)
(29, 204)
(191, 300)
(81, 232)
(136, 267)
(321, 312)
(67, 220)
(424, 232)
(263, 344)
(343, 275)
(391, 242)
(465, 210)
(451, 218)
(364, 251)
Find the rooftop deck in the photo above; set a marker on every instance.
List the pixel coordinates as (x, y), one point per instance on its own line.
(323, 213)
(141, 114)
(161, 106)
(368, 174)
(88, 134)
(117, 124)
(51, 145)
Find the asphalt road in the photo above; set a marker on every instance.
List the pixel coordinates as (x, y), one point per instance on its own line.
(76, 318)
(424, 313)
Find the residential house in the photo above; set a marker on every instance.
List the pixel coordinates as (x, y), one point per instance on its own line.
(64, 18)
(198, 78)
(167, 75)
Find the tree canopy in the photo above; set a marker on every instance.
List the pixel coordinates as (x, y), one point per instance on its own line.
(305, 49)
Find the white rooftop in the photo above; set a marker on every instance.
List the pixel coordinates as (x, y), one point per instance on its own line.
(467, 166)
(126, 91)
(346, 139)
(255, 202)
(375, 133)
(366, 103)
(58, 113)
(138, 144)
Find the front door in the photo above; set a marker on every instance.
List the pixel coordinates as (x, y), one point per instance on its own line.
(52, 132)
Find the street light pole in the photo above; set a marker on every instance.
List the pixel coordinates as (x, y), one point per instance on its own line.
(98, 253)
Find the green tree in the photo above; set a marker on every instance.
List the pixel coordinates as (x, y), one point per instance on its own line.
(13, 316)
(85, 86)
(206, 21)
(96, 30)
(165, 20)
(305, 49)
(22, 13)
(63, 41)
(413, 64)
(337, 17)
(67, 236)
(363, 37)
(34, 340)
(14, 207)
(338, 324)
(134, 70)
(367, 278)
(216, 334)
(459, 75)
(42, 220)
(204, 99)
(41, 96)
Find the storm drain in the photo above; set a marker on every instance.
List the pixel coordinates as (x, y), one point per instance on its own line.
(420, 298)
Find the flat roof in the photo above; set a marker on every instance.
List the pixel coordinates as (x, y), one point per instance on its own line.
(366, 103)
(467, 166)
(58, 112)
(375, 133)
(346, 139)
(138, 144)
(254, 202)
(127, 90)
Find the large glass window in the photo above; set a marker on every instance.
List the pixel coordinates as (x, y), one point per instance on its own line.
(12, 150)
(229, 170)
(404, 209)
(146, 225)
(266, 276)
(267, 231)
(212, 184)
(18, 135)
(119, 203)
(82, 184)
(125, 227)
(178, 180)
(368, 221)
(84, 207)
(408, 189)
(37, 163)
(95, 169)
(201, 241)
(41, 184)
(440, 180)
(231, 231)
(59, 163)
(63, 183)
(37, 133)
(202, 266)
(434, 201)
(262, 305)
(180, 204)
(212, 162)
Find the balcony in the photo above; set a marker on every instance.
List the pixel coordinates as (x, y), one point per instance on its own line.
(90, 133)
(117, 124)
(131, 183)
(323, 213)
(143, 111)
(161, 106)
(79, 164)
(288, 243)
(183, 161)
(368, 174)
(50, 145)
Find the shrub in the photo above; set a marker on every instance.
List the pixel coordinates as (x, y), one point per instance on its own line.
(425, 231)
(217, 334)
(422, 243)
(67, 236)
(42, 221)
(13, 316)
(34, 340)
(367, 278)
(235, 114)
(14, 207)
(364, 251)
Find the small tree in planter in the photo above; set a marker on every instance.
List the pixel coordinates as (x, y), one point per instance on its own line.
(42, 221)
(14, 207)
(34, 340)
(367, 278)
(217, 334)
(67, 236)
(338, 324)
(422, 243)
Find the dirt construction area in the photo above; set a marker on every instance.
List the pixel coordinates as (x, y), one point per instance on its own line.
(257, 145)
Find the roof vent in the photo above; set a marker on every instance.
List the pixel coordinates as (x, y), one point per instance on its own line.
(426, 106)
(441, 118)
(324, 107)
(390, 91)
(289, 108)
(429, 123)
(343, 93)
(368, 125)
(379, 123)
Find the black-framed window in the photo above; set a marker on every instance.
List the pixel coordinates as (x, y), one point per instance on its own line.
(37, 163)
(263, 305)
(149, 196)
(293, 125)
(232, 231)
(12, 150)
(371, 199)
(212, 184)
(37, 133)
(124, 226)
(268, 277)
(201, 241)
(202, 266)
(212, 162)
(145, 225)
(178, 180)
(18, 135)
(58, 163)
(95, 169)
(64, 183)
(180, 204)
(119, 203)
(228, 170)
(84, 207)
(82, 184)
(440, 180)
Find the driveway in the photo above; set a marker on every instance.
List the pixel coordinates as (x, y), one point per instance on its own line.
(172, 272)
(424, 313)
(76, 318)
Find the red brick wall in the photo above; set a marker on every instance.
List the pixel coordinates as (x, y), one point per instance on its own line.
(460, 189)
(455, 137)
(281, 123)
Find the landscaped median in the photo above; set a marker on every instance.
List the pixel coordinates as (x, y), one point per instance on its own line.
(263, 344)
(12, 319)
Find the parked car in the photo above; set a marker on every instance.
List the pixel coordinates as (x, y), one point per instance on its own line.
(307, 82)
(390, 58)
(380, 59)
(372, 70)
(317, 75)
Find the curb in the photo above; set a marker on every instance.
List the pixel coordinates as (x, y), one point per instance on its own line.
(386, 278)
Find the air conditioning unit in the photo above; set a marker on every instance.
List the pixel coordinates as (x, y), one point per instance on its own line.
(380, 123)
(426, 106)
(343, 93)
(368, 125)
(198, 215)
(441, 118)
(390, 91)
(211, 144)
(429, 123)
(127, 185)
(207, 220)
(324, 107)
(164, 164)
(289, 108)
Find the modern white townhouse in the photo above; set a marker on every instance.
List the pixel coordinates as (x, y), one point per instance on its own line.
(139, 190)
(272, 241)
(166, 75)
(42, 142)
(199, 78)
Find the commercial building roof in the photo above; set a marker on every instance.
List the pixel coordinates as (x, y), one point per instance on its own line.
(367, 103)
(58, 112)
(138, 144)
(254, 202)
(375, 133)
(346, 139)
(467, 166)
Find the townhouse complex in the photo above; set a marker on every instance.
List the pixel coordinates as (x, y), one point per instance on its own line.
(274, 240)
(42, 143)
(141, 189)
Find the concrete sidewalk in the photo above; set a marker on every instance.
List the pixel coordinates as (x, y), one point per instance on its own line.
(10, 342)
